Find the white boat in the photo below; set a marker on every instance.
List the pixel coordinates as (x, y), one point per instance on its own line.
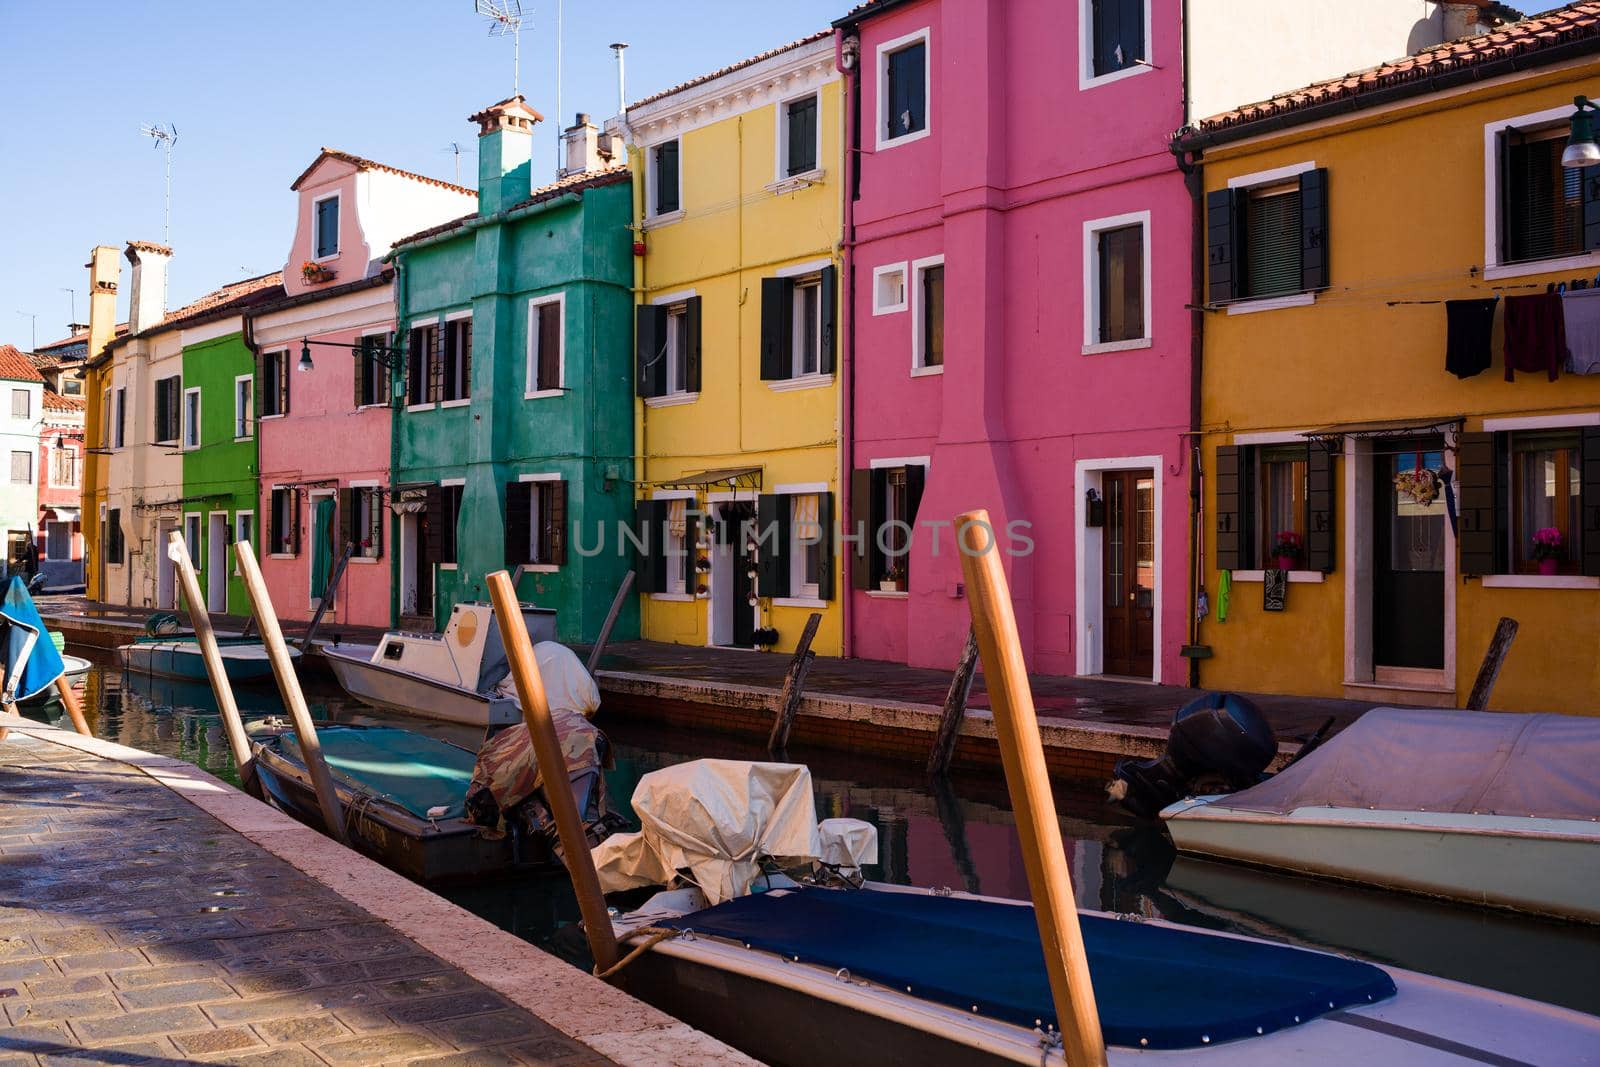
(1484, 807)
(450, 677)
(244, 661)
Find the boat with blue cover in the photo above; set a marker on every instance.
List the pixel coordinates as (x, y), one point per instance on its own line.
(245, 660)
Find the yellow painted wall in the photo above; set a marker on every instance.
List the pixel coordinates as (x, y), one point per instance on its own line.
(105, 266)
(1406, 222)
(733, 233)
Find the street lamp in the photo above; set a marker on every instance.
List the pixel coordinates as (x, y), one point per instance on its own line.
(1581, 150)
(305, 356)
(387, 356)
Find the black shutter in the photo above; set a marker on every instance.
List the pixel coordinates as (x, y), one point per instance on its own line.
(283, 382)
(255, 392)
(294, 521)
(667, 178)
(1478, 480)
(433, 507)
(1224, 268)
(121, 398)
(161, 409)
(772, 533)
(650, 350)
(1508, 206)
(825, 562)
(415, 367)
(1314, 229)
(916, 478)
(691, 537)
(518, 524)
(464, 358)
(651, 559)
(557, 518)
(691, 355)
(861, 517)
(363, 360)
(1230, 538)
(1106, 20)
(347, 519)
(827, 358)
(1591, 208)
(1321, 542)
(1589, 511)
(1130, 31)
(777, 313)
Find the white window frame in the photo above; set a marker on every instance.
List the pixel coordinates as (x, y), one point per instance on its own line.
(797, 370)
(782, 180)
(802, 594)
(1493, 269)
(283, 355)
(27, 397)
(652, 216)
(248, 415)
(338, 230)
(277, 527)
(444, 341)
(884, 51)
(184, 424)
(533, 521)
(360, 490)
(33, 458)
(878, 274)
(445, 483)
(195, 545)
(683, 594)
(530, 389)
(238, 533)
(437, 322)
(1539, 422)
(119, 417)
(1092, 229)
(1087, 79)
(914, 297)
(1251, 305)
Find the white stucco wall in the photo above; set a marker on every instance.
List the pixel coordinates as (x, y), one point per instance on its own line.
(141, 471)
(19, 502)
(393, 207)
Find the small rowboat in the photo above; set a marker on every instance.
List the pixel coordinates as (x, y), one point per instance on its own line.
(180, 658)
(73, 669)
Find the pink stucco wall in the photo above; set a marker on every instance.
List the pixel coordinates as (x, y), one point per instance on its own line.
(331, 176)
(1017, 160)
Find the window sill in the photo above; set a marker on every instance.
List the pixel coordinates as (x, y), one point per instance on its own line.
(282, 555)
(904, 138)
(369, 407)
(540, 394)
(1295, 577)
(672, 400)
(540, 568)
(242, 440)
(366, 559)
(327, 258)
(1582, 263)
(795, 182)
(804, 381)
(420, 407)
(463, 402)
(448, 566)
(171, 442)
(884, 594)
(673, 598)
(1272, 303)
(1094, 81)
(665, 219)
(924, 372)
(264, 418)
(798, 602)
(1117, 346)
(888, 309)
(1540, 581)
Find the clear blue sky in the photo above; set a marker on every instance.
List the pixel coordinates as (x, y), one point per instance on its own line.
(256, 89)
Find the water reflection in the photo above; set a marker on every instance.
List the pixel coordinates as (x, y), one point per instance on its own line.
(962, 836)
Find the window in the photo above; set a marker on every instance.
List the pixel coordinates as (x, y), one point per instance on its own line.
(191, 539)
(664, 175)
(547, 522)
(364, 506)
(191, 418)
(808, 547)
(168, 413)
(1116, 36)
(64, 468)
(119, 416)
(1282, 496)
(1546, 494)
(22, 468)
(244, 531)
(455, 370)
(21, 404)
(326, 211)
(798, 140)
(372, 378)
(667, 348)
(546, 338)
(677, 546)
(1543, 201)
(244, 407)
(903, 89)
(928, 328)
(58, 540)
(422, 358)
(1272, 240)
(1266, 235)
(798, 323)
(1115, 305)
(806, 338)
(885, 499)
(1271, 489)
(283, 531)
(449, 519)
(274, 385)
(71, 387)
(889, 289)
(113, 545)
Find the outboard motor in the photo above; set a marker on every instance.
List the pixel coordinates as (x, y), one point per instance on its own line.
(1219, 743)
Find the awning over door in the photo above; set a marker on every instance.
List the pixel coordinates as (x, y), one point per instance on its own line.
(1385, 428)
(720, 478)
(60, 514)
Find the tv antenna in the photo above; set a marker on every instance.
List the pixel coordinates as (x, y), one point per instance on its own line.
(164, 137)
(72, 302)
(455, 148)
(34, 319)
(505, 19)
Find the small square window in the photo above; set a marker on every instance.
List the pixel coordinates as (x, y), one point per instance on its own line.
(21, 404)
(889, 289)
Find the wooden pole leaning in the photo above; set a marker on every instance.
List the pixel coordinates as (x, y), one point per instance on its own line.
(305, 731)
(69, 700)
(794, 686)
(553, 769)
(1028, 781)
(200, 618)
(611, 620)
(1493, 659)
(955, 709)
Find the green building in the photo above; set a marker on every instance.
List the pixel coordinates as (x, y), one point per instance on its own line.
(218, 443)
(515, 439)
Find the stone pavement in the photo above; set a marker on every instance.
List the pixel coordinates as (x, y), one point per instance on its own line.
(137, 928)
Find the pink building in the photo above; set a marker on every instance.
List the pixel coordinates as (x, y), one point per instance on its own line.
(325, 430)
(60, 533)
(1020, 260)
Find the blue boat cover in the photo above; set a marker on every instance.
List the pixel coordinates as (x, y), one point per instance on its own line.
(1156, 987)
(32, 663)
(415, 771)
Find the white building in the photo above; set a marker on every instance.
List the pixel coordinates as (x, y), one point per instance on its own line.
(21, 418)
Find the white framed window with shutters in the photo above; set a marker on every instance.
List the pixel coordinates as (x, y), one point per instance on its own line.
(244, 407)
(191, 418)
(799, 317)
(546, 370)
(244, 529)
(667, 349)
(927, 315)
(798, 146)
(664, 182)
(274, 384)
(680, 568)
(1116, 276)
(325, 226)
(1538, 216)
(1267, 239)
(808, 543)
(1114, 40)
(21, 468)
(904, 89)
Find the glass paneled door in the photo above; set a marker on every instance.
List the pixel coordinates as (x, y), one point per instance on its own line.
(1128, 573)
(1408, 554)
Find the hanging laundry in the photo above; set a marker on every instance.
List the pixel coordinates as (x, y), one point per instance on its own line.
(1535, 335)
(1468, 325)
(1580, 310)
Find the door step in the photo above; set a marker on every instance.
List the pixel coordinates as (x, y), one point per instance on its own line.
(1415, 695)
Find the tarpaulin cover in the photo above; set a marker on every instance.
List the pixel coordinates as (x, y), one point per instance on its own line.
(32, 663)
(1482, 762)
(568, 685)
(1172, 988)
(509, 770)
(848, 843)
(413, 770)
(716, 819)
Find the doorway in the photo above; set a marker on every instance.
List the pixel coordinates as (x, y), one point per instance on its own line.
(416, 573)
(733, 619)
(166, 574)
(217, 564)
(323, 528)
(1409, 554)
(1128, 573)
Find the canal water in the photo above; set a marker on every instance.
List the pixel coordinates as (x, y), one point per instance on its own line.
(962, 837)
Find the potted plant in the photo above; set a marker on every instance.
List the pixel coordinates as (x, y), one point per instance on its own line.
(1288, 549)
(315, 272)
(701, 590)
(1547, 549)
(894, 580)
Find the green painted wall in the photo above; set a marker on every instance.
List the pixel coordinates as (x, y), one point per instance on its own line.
(582, 249)
(222, 470)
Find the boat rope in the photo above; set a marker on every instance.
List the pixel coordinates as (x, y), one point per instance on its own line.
(653, 936)
(356, 809)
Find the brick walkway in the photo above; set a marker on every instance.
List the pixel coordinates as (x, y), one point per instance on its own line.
(135, 925)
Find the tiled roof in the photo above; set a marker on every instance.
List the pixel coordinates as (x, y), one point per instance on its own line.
(587, 179)
(16, 366)
(367, 164)
(1522, 41)
(750, 62)
(235, 296)
(79, 338)
(54, 401)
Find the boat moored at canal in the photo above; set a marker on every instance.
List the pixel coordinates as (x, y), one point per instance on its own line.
(180, 658)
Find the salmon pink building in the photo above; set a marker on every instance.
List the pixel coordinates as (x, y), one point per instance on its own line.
(1020, 258)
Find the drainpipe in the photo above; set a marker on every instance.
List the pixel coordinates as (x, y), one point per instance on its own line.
(249, 335)
(1189, 163)
(846, 349)
(395, 521)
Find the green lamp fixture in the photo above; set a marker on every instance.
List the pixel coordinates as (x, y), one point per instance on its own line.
(1581, 150)
(305, 351)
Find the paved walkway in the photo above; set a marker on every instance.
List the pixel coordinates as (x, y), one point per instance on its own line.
(137, 928)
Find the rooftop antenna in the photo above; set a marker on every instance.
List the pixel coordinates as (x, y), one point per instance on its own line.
(34, 344)
(164, 137)
(72, 303)
(561, 155)
(622, 96)
(455, 147)
(505, 17)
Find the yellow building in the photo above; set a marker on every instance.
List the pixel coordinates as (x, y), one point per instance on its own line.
(738, 182)
(105, 266)
(1349, 399)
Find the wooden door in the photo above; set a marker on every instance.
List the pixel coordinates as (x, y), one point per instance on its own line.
(1128, 574)
(1408, 559)
(739, 516)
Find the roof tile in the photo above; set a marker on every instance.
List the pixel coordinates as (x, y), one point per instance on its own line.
(361, 163)
(750, 62)
(585, 179)
(16, 366)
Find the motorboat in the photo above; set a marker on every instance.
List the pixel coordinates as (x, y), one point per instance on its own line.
(454, 676)
(1484, 807)
(765, 919)
(244, 661)
(30, 659)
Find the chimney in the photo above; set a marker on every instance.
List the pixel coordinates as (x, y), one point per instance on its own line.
(505, 152)
(104, 269)
(1470, 17)
(147, 297)
(587, 148)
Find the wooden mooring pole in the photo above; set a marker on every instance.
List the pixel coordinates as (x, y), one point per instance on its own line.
(200, 618)
(611, 620)
(1493, 660)
(955, 708)
(553, 767)
(327, 595)
(305, 731)
(794, 684)
(1028, 781)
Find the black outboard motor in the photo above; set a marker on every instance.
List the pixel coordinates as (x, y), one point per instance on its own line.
(1219, 743)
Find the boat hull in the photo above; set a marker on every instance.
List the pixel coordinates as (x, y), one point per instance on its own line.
(184, 662)
(1544, 866)
(411, 694)
(76, 667)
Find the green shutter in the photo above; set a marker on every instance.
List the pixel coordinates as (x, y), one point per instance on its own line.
(1272, 244)
(1321, 510)
(650, 350)
(1222, 247)
(777, 313)
(1478, 490)
(1228, 550)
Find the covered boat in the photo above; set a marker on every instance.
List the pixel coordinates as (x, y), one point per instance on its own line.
(245, 661)
(1485, 807)
(29, 658)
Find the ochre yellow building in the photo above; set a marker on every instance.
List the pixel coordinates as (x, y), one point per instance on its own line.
(1339, 221)
(105, 267)
(737, 185)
